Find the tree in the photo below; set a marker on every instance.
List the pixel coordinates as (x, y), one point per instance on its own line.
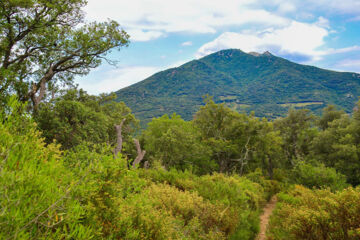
(44, 43)
(329, 114)
(338, 146)
(240, 142)
(76, 117)
(297, 132)
(176, 143)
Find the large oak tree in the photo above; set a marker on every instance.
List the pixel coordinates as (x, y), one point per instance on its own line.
(44, 43)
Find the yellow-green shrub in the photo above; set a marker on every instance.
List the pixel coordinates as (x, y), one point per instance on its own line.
(36, 190)
(316, 214)
(239, 193)
(164, 212)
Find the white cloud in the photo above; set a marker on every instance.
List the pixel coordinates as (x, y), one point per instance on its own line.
(331, 6)
(142, 36)
(286, 7)
(349, 65)
(323, 22)
(343, 50)
(185, 44)
(116, 79)
(149, 19)
(338, 6)
(109, 79)
(295, 39)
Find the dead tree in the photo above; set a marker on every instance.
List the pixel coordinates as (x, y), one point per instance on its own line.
(140, 154)
(119, 138)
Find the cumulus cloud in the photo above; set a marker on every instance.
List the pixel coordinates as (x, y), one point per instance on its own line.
(148, 19)
(296, 39)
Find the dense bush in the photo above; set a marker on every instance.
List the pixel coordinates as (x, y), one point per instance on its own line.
(316, 214)
(317, 176)
(37, 191)
(241, 195)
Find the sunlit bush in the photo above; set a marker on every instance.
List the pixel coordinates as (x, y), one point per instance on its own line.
(316, 214)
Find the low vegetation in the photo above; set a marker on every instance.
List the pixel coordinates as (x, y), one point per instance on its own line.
(77, 166)
(303, 213)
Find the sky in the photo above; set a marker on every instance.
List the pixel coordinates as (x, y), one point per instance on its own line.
(168, 33)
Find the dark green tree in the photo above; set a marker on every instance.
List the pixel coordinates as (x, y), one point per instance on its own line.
(77, 117)
(338, 146)
(297, 130)
(177, 143)
(329, 114)
(240, 142)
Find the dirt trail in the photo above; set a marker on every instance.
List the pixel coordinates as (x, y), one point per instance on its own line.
(264, 219)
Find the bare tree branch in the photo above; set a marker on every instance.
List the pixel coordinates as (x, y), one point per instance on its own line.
(140, 154)
(119, 138)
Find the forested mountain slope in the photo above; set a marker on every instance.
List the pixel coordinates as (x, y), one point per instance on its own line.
(263, 83)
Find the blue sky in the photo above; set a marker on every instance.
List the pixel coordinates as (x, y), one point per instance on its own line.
(168, 33)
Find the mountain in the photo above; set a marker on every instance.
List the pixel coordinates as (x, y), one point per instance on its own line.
(263, 83)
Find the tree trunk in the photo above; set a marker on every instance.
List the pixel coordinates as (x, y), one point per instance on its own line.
(41, 87)
(119, 138)
(141, 154)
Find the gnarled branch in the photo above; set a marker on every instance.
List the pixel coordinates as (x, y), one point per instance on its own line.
(140, 154)
(119, 138)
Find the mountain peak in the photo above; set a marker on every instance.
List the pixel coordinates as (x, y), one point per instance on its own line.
(245, 82)
(267, 53)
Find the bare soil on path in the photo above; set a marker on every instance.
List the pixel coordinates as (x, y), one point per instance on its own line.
(264, 219)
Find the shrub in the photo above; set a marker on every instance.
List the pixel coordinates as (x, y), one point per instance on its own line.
(36, 193)
(164, 212)
(239, 193)
(318, 176)
(316, 214)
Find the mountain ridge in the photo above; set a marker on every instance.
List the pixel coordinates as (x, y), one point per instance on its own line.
(263, 83)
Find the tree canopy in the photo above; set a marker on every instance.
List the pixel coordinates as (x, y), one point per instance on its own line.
(46, 43)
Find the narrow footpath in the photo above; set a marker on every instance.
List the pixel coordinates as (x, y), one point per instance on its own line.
(264, 219)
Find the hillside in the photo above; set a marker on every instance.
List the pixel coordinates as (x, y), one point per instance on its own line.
(263, 83)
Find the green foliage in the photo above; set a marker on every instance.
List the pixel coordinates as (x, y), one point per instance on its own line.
(76, 117)
(297, 132)
(338, 146)
(271, 187)
(164, 212)
(47, 43)
(329, 114)
(316, 214)
(36, 193)
(240, 142)
(239, 194)
(317, 176)
(265, 84)
(85, 193)
(176, 143)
